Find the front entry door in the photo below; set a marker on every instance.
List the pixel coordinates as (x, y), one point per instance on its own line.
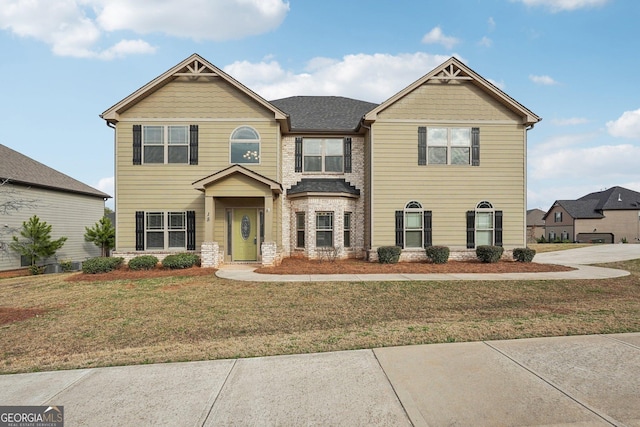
(245, 235)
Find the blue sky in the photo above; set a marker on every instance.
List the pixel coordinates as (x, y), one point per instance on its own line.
(572, 62)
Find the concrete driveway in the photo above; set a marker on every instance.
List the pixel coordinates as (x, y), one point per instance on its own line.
(591, 255)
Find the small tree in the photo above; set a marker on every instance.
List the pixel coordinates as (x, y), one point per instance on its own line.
(102, 234)
(36, 240)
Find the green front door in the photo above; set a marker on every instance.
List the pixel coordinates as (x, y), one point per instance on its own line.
(245, 235)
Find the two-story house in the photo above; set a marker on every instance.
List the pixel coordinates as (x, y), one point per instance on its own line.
(205, 164)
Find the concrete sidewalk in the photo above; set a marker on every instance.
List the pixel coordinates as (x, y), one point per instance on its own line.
(581, 380)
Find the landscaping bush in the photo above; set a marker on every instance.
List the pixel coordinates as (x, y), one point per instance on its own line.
(101, 265)
(438, 254)
(143, 262)
(389, 254)
(486, 253)
(183, 260)
(524, 254)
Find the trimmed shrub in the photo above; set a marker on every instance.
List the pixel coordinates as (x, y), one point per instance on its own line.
(486, 253)
(184, 260)
(524, 254)
(438, 254)
(101, 264)
(389, 254)
(143, 262)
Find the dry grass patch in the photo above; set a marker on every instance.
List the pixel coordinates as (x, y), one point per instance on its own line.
(552, 247)
(180, 318)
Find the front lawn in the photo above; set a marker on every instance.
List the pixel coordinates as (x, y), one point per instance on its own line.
(48, 322)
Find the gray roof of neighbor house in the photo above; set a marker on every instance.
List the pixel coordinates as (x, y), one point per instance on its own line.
(323, 185)
(324, 113)
(20, 169)
(594, 204)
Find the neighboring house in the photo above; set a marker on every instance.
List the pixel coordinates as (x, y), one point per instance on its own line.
(64, 203)
(205, 164)
(608, 216)
(535, 225)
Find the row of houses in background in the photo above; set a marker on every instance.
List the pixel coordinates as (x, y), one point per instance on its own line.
(608, 216)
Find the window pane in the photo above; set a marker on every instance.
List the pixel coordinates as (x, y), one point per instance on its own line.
(300, 239)
(413, 220)
(333, 147)
(155, 240)
(177, 220)
(437, 155)
(313, 164)
(413, 239)
(245, 152)
(324, 239)
(155, 221)
(179, 154)
(347, 239)
(312, 147)
(153, 135)
(300, 220)
(484, 238)
(333, 164)
(177, 239)
(245, 132)
(437, 136)
(461, 137)
(460, 155)
(324, 221)
(484, 220)
(154, 154)
(178, 135)
(347, 221)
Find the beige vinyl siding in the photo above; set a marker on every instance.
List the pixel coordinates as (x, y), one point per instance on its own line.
(449, 191)
(217, 109)
(201, 99)
(460, 100)
(621, 223)
(67, 213)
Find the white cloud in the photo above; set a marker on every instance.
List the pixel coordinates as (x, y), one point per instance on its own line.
(626, 126)
(564, 5)
(351, 76)
(75, 27)
(106, 185)
(542, 80)
(491, 23)
(485, 41)
(436, 36)
(197, 19)
(572, 121)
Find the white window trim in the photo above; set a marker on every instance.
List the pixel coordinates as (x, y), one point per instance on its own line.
(485, 207)
(413, 206)
(322, 156)
(449, 146)
(165, 144)
(166, 229)
(332, 229)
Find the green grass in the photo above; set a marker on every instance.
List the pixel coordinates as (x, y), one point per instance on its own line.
(89, 324)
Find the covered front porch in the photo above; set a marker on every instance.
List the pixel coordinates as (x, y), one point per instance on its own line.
(240, 220)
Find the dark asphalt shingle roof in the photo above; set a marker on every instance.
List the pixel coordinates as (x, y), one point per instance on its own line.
(20, 169)
(323, 185)
(581, 208)
(324, 113)
(615, 198)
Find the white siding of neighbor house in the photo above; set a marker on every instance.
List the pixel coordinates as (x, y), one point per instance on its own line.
(67, 213)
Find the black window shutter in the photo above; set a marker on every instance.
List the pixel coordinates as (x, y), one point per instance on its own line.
(428, 235)
(471, 229)
(298, 154)
(191, 230)
(193, 144)
(139, 230)
(475, 146)
(498, 228)
(137, 144)
(400, 228)
(422, 145)
(347, 155)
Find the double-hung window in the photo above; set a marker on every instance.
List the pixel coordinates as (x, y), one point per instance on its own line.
(448, 146)
(413, 225)
(557, 217)
(165, 144)
(323, 155)
(166, 230)
(300, 229)
(347, 229)
(324, 229)
(484, 224)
